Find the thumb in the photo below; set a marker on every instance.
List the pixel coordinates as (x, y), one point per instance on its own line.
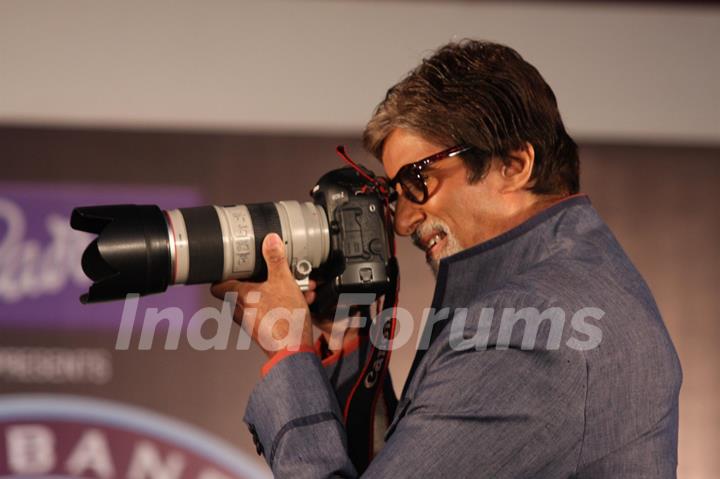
(273, 251)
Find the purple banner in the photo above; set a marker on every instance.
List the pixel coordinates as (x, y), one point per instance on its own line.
(40, 274)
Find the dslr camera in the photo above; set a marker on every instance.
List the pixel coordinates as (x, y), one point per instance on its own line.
(342, 238)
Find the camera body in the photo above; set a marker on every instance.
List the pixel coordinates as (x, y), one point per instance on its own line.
(342, 238)
(359, 237)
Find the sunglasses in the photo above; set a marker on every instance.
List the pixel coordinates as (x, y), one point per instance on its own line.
(411, 179)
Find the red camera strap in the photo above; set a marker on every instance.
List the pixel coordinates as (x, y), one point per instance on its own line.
(361, 405)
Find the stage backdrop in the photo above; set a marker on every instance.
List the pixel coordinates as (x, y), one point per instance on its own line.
(67, 390)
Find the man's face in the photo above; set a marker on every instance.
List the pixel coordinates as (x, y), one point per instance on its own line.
(458, 214)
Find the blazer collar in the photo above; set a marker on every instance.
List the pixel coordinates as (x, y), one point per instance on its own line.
(464, 276)
(487, 265)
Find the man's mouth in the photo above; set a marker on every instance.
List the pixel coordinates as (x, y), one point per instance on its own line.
(433, 243)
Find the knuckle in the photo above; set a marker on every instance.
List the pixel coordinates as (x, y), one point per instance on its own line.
(276, 259)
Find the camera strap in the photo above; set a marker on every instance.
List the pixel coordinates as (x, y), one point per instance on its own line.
(362, 402)
(361, 405)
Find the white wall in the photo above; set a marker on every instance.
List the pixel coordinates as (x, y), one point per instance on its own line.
(641, 73)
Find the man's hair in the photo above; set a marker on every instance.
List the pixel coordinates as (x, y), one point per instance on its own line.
(482, 94)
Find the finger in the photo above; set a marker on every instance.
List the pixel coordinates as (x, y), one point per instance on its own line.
(273, 251)
(238, 315)
(312, 285)
(219, 290)
(310, 296)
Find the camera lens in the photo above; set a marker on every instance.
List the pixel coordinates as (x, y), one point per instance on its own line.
(142, 249)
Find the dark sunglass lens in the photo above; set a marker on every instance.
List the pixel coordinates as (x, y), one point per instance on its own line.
(413, 186)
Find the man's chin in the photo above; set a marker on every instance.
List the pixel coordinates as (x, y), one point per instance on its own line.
(434, 261)
(434, 266)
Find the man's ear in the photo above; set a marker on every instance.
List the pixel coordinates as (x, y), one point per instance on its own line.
(517, 168)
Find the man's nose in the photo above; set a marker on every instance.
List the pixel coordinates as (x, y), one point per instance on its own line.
(408, 216)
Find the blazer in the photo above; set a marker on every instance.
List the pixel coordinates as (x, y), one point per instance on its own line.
(546, 356)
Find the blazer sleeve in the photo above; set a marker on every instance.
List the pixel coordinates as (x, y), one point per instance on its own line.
(296, 423)
(490, 413)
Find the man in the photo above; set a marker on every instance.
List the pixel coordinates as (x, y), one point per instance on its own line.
(487, 178)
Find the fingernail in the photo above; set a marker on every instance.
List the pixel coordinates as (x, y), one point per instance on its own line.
(274, 240)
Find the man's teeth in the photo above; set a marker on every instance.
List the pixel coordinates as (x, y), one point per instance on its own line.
(433, 241)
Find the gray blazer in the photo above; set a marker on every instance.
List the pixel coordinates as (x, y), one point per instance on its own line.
(552, 361)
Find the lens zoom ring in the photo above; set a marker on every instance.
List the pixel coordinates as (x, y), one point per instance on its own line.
(205, 244)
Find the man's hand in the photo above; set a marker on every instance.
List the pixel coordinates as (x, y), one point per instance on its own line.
(282, 318)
